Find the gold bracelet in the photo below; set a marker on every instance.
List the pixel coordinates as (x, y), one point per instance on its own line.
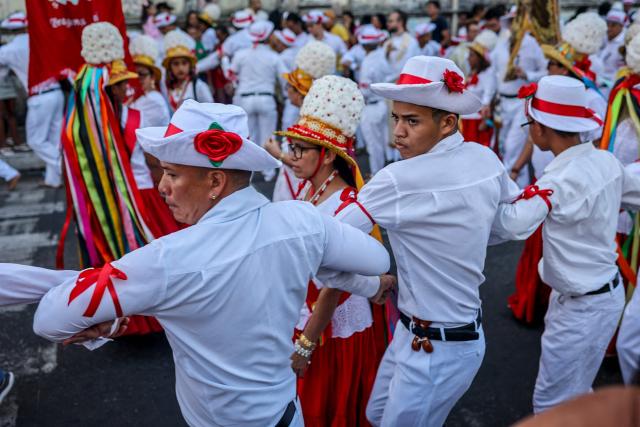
(306, 341)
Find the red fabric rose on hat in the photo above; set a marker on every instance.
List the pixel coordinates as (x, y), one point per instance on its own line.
(527, 91)
(217, 144)
(453, 81)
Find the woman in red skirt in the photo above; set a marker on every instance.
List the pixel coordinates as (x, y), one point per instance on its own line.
(481, 83)
(340, 336)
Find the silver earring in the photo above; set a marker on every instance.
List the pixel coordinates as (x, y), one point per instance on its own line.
(213, 197)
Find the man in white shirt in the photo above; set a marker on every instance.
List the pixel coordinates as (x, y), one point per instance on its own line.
(401, 46)
(293, 22)
(579, 238)
(610, 55)
(530, 65)
(315, 21)
(225, 289)
(438, 205)
(374, 69)
(258, 70)
(44, 107)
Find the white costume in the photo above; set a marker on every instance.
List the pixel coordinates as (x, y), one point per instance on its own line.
(336, 43)
(532, 61)
(258, 70)
(154, 108)
(374, 69)
(579, 249)
(353, 58)
(610, 54)
(222, 378)
(44, 110)
(426, 199)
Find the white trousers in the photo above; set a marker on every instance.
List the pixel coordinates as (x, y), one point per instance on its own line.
(415, 388)
(576, 335)
(6, 171)
(628, 344)
(43, 128)
(375, 131)
(513, 137)
(263, 119)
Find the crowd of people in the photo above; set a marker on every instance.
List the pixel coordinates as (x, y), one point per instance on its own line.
(290, 316)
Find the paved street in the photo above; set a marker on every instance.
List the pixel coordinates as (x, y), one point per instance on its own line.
(131, 382)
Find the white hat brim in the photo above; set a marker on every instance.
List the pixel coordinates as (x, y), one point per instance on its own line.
(562, 123)
(433, 95)
(179, 149)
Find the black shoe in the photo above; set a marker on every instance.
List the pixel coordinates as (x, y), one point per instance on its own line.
(6, 383)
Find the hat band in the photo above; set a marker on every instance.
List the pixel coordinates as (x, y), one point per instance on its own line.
(317, 129)
(242, 20)
(410, 79)
(565, 110)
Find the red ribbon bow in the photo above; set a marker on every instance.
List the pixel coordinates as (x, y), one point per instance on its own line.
(101, 277)
(532, 191)
(584, 65)
(349, 196)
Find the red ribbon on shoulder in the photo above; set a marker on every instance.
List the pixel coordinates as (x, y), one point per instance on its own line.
(532, 191)
(101, 278)
(350, 195)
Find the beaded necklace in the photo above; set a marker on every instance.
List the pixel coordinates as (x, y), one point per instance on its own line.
(316, 196)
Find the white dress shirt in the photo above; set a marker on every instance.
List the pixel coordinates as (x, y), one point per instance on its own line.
(258, 69)
(404, 46)
(228, 292)
(579, 248)
(235, 42)
(530, 58)
(209, 39)
(374, 69)
(611, 58)
(154, 107)
(438, 209)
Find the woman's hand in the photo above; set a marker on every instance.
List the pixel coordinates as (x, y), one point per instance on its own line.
(299, 364)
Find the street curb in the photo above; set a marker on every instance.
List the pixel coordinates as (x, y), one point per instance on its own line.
(24, 161)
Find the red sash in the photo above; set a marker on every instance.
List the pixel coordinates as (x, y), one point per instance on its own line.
(133, 123)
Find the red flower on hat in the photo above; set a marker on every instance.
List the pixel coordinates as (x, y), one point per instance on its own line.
(527, 91)
(217, 144)
(453, 81)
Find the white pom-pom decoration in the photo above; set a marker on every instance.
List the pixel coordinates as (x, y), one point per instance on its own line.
(132, 8)
(586, 33)
(101, 43)
(335, 101)
(212, 10)
(144, 45)
(317, 59)
(487, 39)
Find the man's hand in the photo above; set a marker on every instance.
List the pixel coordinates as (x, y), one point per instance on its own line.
(101, 330)
(485, 111)
(388, 283)
(520, 73)
(273, 147)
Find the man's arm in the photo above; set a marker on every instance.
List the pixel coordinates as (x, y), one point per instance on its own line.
(23, 284)
(209, 62)
(135, 284)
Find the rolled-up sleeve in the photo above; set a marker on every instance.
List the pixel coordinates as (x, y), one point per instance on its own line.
(24, 284)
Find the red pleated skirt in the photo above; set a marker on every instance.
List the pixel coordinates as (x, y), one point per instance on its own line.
(471, 132)
(336, 388)
(161, 223)
(531, 297)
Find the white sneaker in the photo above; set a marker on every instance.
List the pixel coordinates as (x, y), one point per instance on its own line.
(7, 152)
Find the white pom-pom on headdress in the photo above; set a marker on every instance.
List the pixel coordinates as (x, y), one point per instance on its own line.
(487, 39)
(586, 33)
(144, 45)
(633, 54)
(336, 101)
(212, 10)
(317, 59)
(101, 43)
(631, 32)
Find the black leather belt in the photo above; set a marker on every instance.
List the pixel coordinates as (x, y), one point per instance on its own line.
(287, 417)
(504, 95)
(609, 286)
(256, 94)
(53, 89)
(467, 332)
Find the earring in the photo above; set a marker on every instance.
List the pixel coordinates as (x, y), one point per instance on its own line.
(213, 197)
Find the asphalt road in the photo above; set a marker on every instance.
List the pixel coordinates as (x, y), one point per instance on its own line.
(130, 382)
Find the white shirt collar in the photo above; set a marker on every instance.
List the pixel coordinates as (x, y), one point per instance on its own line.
(235, 205)
(449, 143)
(569, 154)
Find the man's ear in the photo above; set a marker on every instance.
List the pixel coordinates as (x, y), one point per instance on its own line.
(217, 180)
(448, 123)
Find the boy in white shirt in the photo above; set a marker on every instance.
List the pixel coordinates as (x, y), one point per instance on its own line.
(579, 247)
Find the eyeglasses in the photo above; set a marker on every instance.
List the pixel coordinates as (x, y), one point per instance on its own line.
(530, 122)
(298, 150)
